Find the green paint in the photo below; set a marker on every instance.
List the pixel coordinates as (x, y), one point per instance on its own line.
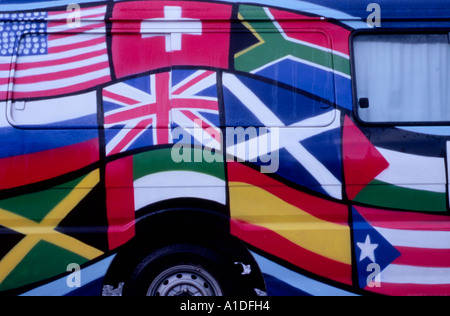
(275, 46)
(382, 194)
(161, 160)
(35, 206)
(44, 261)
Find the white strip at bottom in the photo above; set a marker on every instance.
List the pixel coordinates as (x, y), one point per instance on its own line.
(297, 280)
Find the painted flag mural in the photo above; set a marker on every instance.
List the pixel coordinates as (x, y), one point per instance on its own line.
(129, 179)
(378, 173)
(55, 58)
(143, 111)
(250, 102)
(38, 226)
(96, 98)
(275, 218)
(412, 252)
(303, 57)
(157, 41)
(204, 181)
(34, 152)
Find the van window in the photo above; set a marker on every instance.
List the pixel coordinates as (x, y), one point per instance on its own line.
(402, 78)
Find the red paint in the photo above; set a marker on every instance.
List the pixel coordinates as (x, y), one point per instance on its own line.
(362, 161)
(120, 202)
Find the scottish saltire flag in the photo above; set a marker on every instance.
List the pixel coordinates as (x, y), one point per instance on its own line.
(305, 60)
(53, 57)
(412, 252)
(308, 157)
(143, 111)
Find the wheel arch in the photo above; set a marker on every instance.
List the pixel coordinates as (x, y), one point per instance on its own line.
(186, 221)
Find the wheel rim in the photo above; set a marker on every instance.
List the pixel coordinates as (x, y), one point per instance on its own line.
(185, 280)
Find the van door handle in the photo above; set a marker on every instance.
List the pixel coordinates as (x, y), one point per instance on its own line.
(19, 105)
(364, 103)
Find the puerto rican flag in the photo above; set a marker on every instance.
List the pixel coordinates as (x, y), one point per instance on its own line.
(162, 34)
(53, 57)
(402, 253)
(143, 111)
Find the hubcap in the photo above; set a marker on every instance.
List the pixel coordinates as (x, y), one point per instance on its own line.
(184, 280)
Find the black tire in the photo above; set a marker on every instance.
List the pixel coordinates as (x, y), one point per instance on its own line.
(183, 270)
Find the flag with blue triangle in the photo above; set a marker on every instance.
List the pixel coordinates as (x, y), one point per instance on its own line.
(370, 248)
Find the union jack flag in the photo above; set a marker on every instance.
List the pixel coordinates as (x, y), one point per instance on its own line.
(144, 111)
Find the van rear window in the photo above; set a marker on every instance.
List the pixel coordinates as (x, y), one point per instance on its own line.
(402, 78)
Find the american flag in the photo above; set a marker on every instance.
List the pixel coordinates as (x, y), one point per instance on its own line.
(143, 111)
(43, 55)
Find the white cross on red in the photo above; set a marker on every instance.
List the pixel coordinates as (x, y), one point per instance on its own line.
(173, 26)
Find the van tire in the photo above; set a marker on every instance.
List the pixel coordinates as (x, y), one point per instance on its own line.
(182, 270)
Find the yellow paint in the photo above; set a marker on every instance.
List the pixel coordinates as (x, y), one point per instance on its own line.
(45, 230)
(13, 258)
(258, 207)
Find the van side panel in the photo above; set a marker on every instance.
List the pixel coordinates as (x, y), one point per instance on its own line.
(131, 125)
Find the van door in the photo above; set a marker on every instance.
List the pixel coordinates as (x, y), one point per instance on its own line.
(402, 80)
(396, 162)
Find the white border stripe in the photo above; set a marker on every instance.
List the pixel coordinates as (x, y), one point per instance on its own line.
(60, 288)
(290, 39)
(303, 61)
(297, 280)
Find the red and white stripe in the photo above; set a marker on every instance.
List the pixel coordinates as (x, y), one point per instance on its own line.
(165, 104)
(424, 243)
(138, 112)
(187, 106)
(76, 58)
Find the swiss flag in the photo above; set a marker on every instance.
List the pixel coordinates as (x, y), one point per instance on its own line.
(151, 35)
